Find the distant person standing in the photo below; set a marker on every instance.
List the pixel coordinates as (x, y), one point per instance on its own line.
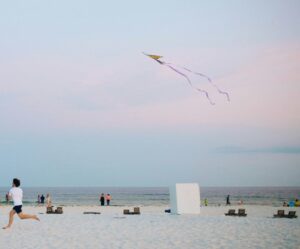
(16, 193)
(292, 203)
(228, 200)
(108, 198)
(48, 201)
(39, 199)
(102, 199)
(205, 202)
(7, 198)
(42, 199)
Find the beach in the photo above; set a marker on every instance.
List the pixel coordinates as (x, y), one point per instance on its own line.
(176, 111)
(152, 229)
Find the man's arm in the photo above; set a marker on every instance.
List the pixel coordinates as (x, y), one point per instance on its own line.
(9, 196)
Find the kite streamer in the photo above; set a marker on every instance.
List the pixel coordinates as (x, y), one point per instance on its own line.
(189, 81)
(174, 67)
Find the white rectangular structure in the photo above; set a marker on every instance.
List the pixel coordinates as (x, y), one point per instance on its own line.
(185, 198)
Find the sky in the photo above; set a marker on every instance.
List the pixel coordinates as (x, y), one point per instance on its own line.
(80, 105)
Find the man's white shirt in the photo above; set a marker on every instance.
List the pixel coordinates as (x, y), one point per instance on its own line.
(17, 195)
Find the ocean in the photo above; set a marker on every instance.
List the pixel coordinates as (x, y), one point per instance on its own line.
(156, 196)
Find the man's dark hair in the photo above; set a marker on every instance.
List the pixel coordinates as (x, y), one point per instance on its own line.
(16, 182)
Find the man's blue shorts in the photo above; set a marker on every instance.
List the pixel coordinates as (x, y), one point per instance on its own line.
(18, 209)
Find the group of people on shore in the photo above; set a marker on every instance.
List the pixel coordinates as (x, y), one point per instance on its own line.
(41, 200)
(104, 198)
(16, 195)
(292, 203)
(228, 203)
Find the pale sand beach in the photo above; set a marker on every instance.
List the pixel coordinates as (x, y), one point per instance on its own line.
(152, 229)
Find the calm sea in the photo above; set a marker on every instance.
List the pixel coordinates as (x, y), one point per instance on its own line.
(271, 196)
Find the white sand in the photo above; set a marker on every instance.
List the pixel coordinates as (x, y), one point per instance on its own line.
(152, 229)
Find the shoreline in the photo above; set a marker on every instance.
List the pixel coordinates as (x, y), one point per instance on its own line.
(154, 208)
(143, 205)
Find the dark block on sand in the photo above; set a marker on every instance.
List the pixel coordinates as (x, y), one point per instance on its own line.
(242, 212)
(59, 210)
(49, 210)
(136, 210)
(291, 214)
(231, 212)
(280, 214)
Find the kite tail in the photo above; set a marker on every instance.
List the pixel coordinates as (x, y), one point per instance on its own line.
(208, 79)
(206, 94)
(189, 81)
(182, 74)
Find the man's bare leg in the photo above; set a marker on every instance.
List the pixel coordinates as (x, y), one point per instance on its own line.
(11, 219)
(28, 216)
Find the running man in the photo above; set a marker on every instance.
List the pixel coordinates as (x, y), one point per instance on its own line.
(16, 194)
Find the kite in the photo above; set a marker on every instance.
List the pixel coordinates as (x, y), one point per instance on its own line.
(179, 69)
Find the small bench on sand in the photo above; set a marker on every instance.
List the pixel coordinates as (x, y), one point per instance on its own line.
(280, 214)
(241, 212)
(59, 210)
(290, 215)
(136, 210)
(231, 212)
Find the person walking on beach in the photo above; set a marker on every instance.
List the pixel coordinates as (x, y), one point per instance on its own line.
(102, 199)
(48, 201)
(16, 193)
(228, 200)
(39, 199)
(42, 199)
(108, 198)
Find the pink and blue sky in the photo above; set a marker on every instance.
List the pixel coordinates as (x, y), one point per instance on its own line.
(81, 106)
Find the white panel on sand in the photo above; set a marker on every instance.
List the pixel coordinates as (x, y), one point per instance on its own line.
(185, 198)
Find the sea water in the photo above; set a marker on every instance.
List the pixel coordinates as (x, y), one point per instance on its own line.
(156, 196)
